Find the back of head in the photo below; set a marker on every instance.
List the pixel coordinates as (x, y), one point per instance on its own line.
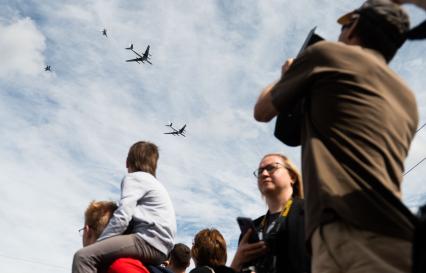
(209, 248)
(143, 156)
(382, 25)
(97, 215)
(180, 256)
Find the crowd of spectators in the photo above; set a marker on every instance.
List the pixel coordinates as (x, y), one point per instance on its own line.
(355, 120)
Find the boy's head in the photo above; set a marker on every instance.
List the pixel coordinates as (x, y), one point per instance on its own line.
(96, 218)
(180, 257)
(143, 156)
(209, 248)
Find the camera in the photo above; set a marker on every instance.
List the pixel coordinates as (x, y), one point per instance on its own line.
(268, 263)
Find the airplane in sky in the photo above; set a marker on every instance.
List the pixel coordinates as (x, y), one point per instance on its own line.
(176, 132)
(142, 58)
(104, 32)
(47, 68)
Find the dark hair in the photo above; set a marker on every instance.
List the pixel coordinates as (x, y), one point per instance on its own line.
(143, 156)
(373, 37)
(180, 256)
(209, 248)
(382, 26)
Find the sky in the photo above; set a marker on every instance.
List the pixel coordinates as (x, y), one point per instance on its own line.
(65, 134)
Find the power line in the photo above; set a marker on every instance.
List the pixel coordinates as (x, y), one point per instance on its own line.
(424, 124)
(412, 168)
(33, 262)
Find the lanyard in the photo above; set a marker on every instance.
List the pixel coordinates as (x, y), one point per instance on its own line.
(284, 213)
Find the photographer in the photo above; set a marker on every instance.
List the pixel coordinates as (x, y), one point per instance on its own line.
(357, 121)
(282, 227)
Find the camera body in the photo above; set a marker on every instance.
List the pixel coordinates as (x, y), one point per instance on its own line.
(273, 239)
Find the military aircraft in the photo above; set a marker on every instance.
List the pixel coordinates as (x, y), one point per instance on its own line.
(47, 68)
(142, 58)
(104, 32)
(176, 132)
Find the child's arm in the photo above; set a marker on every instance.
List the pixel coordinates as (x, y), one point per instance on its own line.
(131, 192)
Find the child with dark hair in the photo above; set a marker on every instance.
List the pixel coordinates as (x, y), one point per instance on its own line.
(180, 257)
(146, 203)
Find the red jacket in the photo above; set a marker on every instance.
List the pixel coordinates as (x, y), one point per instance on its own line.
(127, 265)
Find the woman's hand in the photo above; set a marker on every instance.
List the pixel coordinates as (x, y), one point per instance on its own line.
(247, 252)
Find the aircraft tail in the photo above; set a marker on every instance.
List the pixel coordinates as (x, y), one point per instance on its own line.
(130, 47)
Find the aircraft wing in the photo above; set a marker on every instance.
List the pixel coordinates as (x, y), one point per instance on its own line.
(134, 60)
(136, 53)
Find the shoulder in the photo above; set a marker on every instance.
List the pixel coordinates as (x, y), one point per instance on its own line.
(335, 53)
(141, 177)
(158, 269)
(298, 207)
(343, 54)
(323, 49)
(258, 220)
(298, 202)
(321, 54)
(327, 48)
(223, 269)
(202, 269)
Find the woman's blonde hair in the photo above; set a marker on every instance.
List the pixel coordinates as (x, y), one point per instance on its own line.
(294, 174)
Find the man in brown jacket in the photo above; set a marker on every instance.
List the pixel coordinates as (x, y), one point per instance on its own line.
(357, 120)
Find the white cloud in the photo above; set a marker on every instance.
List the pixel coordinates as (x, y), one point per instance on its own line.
(21, 49)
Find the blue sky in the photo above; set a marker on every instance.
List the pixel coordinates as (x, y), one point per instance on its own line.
(65, 134)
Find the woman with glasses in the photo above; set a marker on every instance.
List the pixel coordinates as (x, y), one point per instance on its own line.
(281, 230)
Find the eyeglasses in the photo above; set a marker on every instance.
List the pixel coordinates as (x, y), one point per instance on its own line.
(270, 168)
(81, 231)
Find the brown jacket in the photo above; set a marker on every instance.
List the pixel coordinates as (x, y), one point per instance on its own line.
(358, 122)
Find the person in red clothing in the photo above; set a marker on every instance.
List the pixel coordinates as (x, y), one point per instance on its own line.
(127, 265)
(96, 218)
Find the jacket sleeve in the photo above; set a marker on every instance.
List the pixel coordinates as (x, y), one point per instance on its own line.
(293, 85)
(131, 191)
